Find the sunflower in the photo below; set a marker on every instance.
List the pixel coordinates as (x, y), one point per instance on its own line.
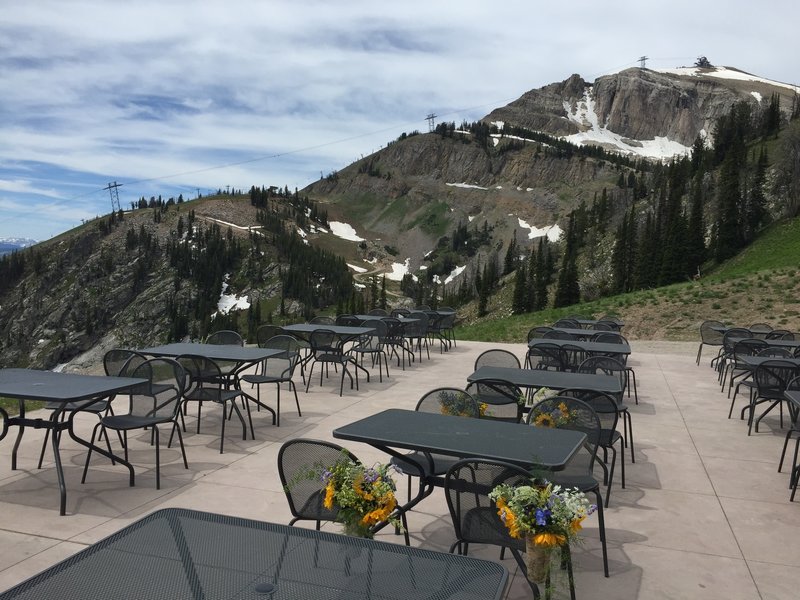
(330, 492)
(549, 540)
(544, 420)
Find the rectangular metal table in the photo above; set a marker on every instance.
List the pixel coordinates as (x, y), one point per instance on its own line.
(244, 358)
(178, 554)
(462, 437)
(590, 347)
(554, 380)
(344, 331)
(63, 389)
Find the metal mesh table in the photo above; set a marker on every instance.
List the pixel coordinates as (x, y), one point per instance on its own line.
(179, 553)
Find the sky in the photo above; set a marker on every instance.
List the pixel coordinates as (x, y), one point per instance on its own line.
(184, 96)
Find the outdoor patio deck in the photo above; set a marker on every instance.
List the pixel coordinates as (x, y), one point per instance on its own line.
(705, 513)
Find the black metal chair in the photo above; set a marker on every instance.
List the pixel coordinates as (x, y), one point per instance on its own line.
(372, 345)
(794, 417)
(378, 312)
(497, 357)
(347, 320)
(567, 324)
(206, 384)
(117, 362)
(266, 332)
(298, 458)
(475, 520)
(710, 336)
(544, 355)
(579, 473)
(400, 312)
(278, 370)
(326, 350)
(780, 334)
(396, 342)
(725, 357)
(772, 377)
(417, 333)
(557, 334)
(760, 330)
(736, 366)
(443, 400)
(225, 337)
(156, 402)
(323, 320)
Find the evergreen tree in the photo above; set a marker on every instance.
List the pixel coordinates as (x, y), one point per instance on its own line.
(544, 266)
(755, 208)
(511, 260)
(567, 290)
(383, 303)
(728, 232)
(695, 235)
(520, 299)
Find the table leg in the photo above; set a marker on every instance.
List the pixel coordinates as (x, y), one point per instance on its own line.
(94, 448)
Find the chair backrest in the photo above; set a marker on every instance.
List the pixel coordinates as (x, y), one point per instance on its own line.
(604, 365)
(323, 341)
(322, 320)
(538, 332)
(709, 335)
(565, 412)
(609, 337)
(497, 357)
(201, 372)
(732, 336)
(760, 330)
(348, 320)
(225, 337)
(467, 486)
(394, 330)
(282, 365)
(298, 459)
(120, 362)
(400, 312)
(503, 399)
(780, 334)
(776, 352)
(160, 398)
(545, 355)
(449, 401)
(555, 334)
(748, 347)
(421, 327)
(603, 326)
(611, 318)
(372, 342)
(773, 376)
(604, 405)
(378, 312)
(567, 324)
(265, 332)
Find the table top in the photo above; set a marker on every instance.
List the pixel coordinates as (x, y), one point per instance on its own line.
(580, 333)
(589, 322)
(214, 351)
(464, 437)
(343, 330)
(555, 380)
(32, 384)
(793, 396)
(363, 318)
(753, 361)
(178, 553)
(584, 345)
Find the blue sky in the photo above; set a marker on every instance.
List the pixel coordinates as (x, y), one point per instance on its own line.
(172, 96)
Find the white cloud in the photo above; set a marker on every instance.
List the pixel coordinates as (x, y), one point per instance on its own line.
(279, 91)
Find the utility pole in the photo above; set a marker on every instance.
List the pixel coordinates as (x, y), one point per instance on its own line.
(112, 191)
(643, 61)
(430, 119)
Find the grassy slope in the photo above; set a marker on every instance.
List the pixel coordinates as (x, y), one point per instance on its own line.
(759, 285)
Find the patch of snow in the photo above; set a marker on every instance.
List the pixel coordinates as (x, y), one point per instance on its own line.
(455, 273)
(725, 73)
(360, 286)
(495, 140)
(553, 232)
(757, 96)
(528, 189)
(399, 270)
(59, 368)
(228, 302)
(344, 231)
(423, 267)
(499, 124)
(357, 269)
(593, 133)
(499, 187)
(466, 185)
(301, 233)
(470, 217)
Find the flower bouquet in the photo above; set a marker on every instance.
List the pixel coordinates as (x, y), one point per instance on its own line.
(546, 515)
(459, 405)
(558, 417)
(364, 495)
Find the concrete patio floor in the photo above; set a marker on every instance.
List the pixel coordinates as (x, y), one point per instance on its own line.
(705, 513)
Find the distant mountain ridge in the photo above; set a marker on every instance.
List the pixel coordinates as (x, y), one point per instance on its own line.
(8, 245)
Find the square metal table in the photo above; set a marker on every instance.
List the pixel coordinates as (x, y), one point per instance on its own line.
(244, 357)
(64, 389)
(178, 554)
(462, 437)
(555, 380)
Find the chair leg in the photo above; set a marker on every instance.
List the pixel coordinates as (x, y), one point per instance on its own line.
(602, 528)
(699, 351)
(89, 453)
(158, 457)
